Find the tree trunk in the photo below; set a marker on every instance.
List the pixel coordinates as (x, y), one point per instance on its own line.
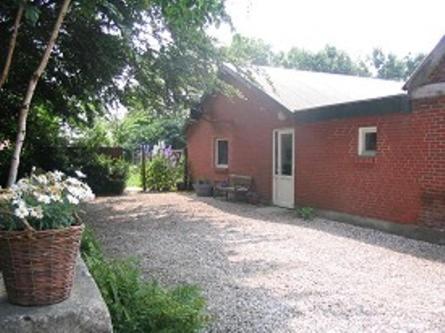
(24, 109)
(12, 43)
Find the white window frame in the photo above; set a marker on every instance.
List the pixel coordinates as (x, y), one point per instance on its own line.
(222, 166)
(362, 131)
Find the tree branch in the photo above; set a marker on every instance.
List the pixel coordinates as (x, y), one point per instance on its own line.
(24, 109)
(12, 44)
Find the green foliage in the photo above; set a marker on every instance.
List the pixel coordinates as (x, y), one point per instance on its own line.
(253, 50)
(98, 135)
(162, 174)
(306, 213)
(105, 175)
(89, 245)
(134, 178)
(145, 126)
(32, 14)
(155, 53)
(329, 59)
(139, 306)
(46, 150)
(389, 66)
(143, 42)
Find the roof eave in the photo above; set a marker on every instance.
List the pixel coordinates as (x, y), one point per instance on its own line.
(375, 106)
(428, 65)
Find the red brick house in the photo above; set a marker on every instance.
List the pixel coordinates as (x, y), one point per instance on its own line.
(361, 147)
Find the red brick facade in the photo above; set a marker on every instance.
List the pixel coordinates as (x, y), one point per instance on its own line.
(404, 182)
(248, 125)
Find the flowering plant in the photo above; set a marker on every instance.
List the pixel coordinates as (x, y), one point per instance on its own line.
(45, 201)
(164, 169)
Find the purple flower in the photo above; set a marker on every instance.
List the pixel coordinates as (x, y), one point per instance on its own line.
(168, 152)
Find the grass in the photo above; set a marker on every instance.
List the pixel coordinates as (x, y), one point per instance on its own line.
(134, 178)
(138, 306)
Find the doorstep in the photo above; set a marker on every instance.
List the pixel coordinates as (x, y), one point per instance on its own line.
(85, 311)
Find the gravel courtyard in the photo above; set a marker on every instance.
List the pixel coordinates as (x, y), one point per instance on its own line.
(264, 270)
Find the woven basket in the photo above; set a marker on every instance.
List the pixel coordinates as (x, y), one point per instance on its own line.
(38, 266)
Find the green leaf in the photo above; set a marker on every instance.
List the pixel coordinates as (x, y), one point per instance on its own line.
(32, 14)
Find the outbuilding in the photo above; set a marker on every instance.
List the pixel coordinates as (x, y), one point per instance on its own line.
(360, 148)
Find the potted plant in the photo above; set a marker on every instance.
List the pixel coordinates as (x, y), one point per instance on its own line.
(203, 188)
(40, 234)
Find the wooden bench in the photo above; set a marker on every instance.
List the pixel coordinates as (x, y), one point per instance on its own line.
(238, 186)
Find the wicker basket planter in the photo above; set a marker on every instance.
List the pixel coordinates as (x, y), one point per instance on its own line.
(38, 266)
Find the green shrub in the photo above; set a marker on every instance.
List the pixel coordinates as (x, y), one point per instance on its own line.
(162, 174)
(105, 175)
(138, 306)
(306, 213)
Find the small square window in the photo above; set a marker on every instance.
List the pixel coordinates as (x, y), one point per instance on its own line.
(221, 153)
(367, 141)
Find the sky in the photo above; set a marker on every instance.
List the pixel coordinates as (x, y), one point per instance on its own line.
(357, 27)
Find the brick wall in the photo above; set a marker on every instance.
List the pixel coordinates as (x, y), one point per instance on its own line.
(404, 182)
(248, 125)
(430, 113)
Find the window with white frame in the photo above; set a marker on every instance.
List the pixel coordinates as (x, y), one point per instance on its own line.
(367, 141)
(221, 153)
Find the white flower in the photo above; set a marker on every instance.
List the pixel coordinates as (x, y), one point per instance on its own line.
(23, 185)
(43, 198)
(72, 200)
(21, 211)
(80, 174)
(42, 179)
(55, 198)
(36, 212)
(58, 175)
(30, 196)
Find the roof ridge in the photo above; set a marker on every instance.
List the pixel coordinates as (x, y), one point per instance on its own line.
(329, 73)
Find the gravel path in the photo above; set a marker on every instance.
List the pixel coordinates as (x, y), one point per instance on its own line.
(264, 270)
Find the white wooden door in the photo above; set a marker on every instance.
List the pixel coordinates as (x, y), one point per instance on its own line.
(283, 168)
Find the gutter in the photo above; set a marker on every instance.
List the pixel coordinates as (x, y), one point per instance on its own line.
(370, 107)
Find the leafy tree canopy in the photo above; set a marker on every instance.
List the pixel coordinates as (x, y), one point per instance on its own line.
(108, 52)
(112, 51)
(141, 126)
(389, 66)
(330, 59)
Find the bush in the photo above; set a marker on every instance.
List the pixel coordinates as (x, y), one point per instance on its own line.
(140, 306)
(106, 176)
(162, 174)
(306, 213)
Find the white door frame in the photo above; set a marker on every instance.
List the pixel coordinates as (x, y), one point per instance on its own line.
(275, 178)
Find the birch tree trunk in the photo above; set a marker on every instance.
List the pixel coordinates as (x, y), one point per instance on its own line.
(12, 43)
(24, 109)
